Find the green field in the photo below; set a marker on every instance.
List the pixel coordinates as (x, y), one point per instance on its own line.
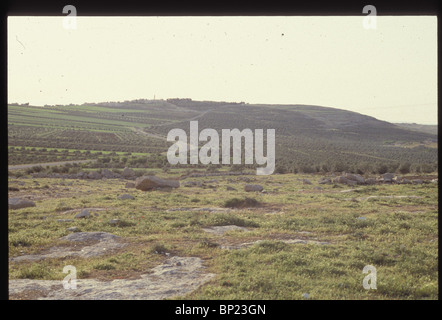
(398, 236)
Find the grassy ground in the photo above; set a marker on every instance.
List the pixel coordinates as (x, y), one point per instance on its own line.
(398, 236)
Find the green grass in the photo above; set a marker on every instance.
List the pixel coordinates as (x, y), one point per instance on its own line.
(398, 236)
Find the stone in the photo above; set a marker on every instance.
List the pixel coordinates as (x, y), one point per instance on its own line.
(306, 181)
(229, 188)
(176, 277)
(388, 177)
(370, 181)
(146, 183)
(253, 187)
(417, 181)
(64, 220)
(94, 175)
(73, 229)
(17, 203)
(192, 184)
(106, 173)
(325, 181)
(344, 180)
(83, 214)
(405, 181)
(130, 185)
(128, 173)
(355, 177)
(90, 236)
(114, 221)
(126, 197)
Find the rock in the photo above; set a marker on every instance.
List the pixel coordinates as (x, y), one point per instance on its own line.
(17, 203)
(370, 181)
(83, 214)
(355, 177)
(92, 244)
(317, 188)
(220, 230)
(306, 181)
(388, 177)
(106, 173)
(192, 184)
(253, 187)
(405, 181)
(325, 181)
(114, 221)
(94, 175)
(90, 236)
(176, 277)
(128, 173)
(434, 181)
(344, 180)
(145, 183)
(229, 188)
(130, 185)
(73, 229)
(64, 220)
(126, 197)
(417, 181)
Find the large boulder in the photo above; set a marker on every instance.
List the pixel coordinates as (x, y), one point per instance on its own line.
(146, 183)
(253, 187)
(355, 177)
(388, 177)
(344, 180)
(16, 203)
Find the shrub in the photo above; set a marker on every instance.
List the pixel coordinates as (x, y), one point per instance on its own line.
(241, 203)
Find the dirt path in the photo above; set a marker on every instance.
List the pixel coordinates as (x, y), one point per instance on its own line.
(44, 164)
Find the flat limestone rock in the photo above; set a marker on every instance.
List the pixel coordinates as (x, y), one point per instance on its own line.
(220, 230)
(16, 203)
(288, 241)
(105, 243)
(176, 277)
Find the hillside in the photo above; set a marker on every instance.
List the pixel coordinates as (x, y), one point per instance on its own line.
(427, 128)
(308, 138)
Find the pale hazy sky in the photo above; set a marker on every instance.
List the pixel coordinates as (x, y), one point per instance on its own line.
(389, 72)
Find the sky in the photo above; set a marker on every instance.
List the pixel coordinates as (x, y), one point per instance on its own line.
(389, 72)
